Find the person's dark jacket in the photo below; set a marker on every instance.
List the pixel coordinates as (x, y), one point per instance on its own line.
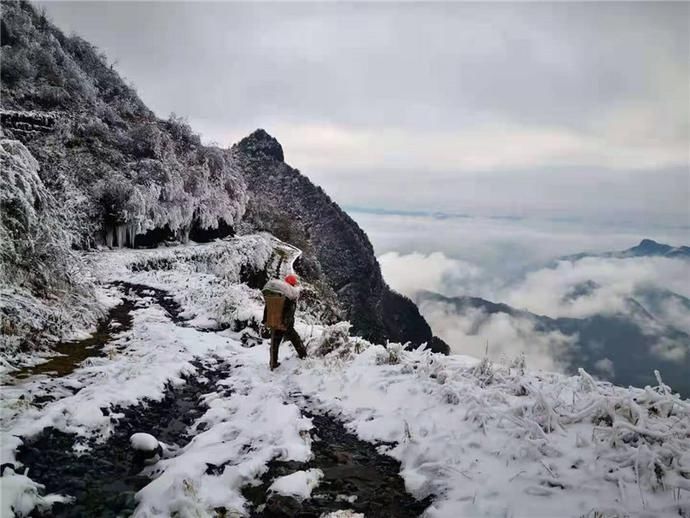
(289, 313)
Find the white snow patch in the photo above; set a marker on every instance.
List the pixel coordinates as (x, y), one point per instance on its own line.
(299, 484)
(489, 440)
(19, 495)
(248, 423)
(153, 353)
(345, 513)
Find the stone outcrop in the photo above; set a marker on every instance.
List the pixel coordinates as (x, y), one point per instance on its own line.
(337, 253)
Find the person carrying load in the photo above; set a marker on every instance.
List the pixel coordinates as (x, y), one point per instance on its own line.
(279, 315)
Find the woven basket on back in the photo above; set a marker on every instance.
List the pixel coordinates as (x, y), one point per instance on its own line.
(275, 303)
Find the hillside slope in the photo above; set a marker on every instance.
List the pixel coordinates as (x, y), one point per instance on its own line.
(124, 176)
(285, 203)
(85, 162)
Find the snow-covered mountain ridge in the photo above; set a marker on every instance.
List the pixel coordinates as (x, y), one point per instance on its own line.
(481, 439)
(119, 176)
(180, 354)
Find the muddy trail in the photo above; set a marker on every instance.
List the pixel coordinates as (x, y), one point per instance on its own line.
(356, 477)
(119, 319)
(104, 479)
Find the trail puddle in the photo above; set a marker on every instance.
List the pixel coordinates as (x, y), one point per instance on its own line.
(119, 319)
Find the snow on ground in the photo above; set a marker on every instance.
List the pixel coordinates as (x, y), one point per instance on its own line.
(486, 440)
(299, 484)
(20, 495)
(493, 441)
(204, 279)
(249, 423)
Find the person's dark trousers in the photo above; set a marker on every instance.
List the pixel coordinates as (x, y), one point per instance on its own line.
(292, 336)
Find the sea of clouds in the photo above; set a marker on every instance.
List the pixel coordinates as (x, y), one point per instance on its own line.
(516, 262)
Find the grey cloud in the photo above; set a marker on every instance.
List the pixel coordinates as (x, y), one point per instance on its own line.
(505, 248)
(525, 108)
(506, 337)
(512, 262)
(659, 196)
(415, 65)
(631, 308)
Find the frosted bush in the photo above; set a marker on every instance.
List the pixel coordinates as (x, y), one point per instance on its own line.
(484, 371)
(36, 260)
(395, 352)
(334, 337)
(15, 67)
(334, 342)
(519, 364)
(146, 141)
(181, 130)
(390, 355)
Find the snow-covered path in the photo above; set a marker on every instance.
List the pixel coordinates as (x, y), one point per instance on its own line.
(484, 440)
(200, 450)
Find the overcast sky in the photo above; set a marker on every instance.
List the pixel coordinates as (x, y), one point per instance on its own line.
(577, 109)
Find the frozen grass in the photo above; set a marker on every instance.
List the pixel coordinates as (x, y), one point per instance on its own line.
(526, 444)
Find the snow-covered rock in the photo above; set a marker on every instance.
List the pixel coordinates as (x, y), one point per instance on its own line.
(147, 447)
(141, 441)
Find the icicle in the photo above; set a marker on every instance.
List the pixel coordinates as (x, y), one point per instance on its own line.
(131, 233)
(183, 234)
(109, 236)
(121, 231)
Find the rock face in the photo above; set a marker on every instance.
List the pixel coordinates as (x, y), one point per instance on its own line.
(261, 144)
(338, 256)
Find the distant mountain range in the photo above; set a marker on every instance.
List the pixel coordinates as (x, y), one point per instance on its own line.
(628, 340)
(651, 330)
(646, 248)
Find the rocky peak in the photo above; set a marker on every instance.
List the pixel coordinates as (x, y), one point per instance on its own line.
(261, 145)
(648, 247)
(651, 246)
(337, 256)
